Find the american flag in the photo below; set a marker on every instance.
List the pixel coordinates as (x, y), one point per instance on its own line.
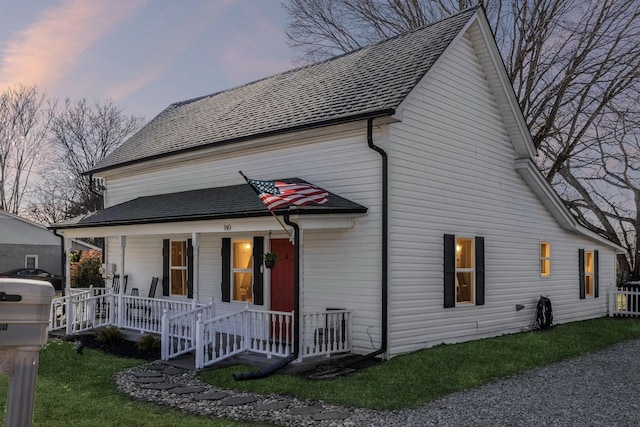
(278, 194)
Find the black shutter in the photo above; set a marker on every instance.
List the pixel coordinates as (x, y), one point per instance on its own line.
(166, 254)
(189, 268)
(258, 282)
(226, 269)
(479, 270)
(596, 275)
(581, 272)
(449, 270)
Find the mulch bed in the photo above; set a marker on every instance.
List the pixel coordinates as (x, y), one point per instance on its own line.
(120, 348)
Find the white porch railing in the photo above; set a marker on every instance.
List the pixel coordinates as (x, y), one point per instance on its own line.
(265, 332)
(90, 309)
(625, 301)
(178, 332)
(325, 333)
(189, 327)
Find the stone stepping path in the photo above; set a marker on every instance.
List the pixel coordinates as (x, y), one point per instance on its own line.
(187, 390)
(237, 400)
(331, 416)
(173, 371)
(143, 374)
(156, 377)
(275, 406)
(148, 380)
(162, 386)
(212, 395)
(306, 410)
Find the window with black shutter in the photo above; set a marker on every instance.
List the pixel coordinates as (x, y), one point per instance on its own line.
(588, 265)
(464, 274)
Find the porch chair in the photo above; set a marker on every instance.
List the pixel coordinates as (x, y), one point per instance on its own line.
(152, 289)
(116, 283)
(147, 306)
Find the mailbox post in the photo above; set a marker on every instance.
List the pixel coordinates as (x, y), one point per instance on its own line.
(24, 319)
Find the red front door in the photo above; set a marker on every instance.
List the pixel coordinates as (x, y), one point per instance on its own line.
(282, 287)
(282, 276)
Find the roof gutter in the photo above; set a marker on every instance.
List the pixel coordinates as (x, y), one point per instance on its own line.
(314, 125)
(384, 281)
(63, 261)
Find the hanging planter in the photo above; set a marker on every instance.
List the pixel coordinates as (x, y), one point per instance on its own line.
(270, 259)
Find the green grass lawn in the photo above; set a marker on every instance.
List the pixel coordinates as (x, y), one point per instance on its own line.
(76, 390)
(414, 379)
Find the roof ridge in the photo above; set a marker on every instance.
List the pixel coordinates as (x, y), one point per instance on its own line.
(327, 60)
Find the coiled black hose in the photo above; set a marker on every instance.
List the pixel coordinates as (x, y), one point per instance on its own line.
(544, 313)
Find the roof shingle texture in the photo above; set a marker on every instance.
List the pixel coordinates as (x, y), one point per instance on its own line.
(373, 79)
(236, 201)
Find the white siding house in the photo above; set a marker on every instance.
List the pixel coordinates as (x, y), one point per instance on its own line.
(423, 150)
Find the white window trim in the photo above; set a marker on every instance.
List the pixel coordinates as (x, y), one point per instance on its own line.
(471, 270)
(26, 262)
(179, 267)
(588, 274)
(544, 276)
(240, 270)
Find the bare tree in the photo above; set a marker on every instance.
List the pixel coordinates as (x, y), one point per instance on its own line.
(323, 28)
(603, 190)
(53, 198)
(83, 133)
(23, 128)
(574, 65)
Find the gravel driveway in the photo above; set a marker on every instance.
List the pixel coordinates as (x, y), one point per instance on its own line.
(600, 389)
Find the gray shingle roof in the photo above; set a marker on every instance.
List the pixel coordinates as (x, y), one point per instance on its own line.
(369, 82)
(236, 201)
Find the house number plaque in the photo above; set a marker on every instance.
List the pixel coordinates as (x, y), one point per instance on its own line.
(227, 227)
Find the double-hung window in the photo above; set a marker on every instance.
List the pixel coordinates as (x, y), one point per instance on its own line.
(463, 270)
(31, 261)
(242, 269)
(545, 259)
(588, 265)
(242, 274)
(178, 267)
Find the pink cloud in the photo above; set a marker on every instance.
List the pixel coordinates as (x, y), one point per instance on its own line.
(49, 48)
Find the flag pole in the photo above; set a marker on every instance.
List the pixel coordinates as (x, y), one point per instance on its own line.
(270, 211)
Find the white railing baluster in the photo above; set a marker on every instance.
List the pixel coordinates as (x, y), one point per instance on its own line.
(326, 332)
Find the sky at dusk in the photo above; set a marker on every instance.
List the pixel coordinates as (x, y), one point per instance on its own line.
(143, 54)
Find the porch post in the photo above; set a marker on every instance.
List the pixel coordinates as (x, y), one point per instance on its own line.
(67, 285)
(123, 245)
(299, 317)
(195, 242)
(613, 300)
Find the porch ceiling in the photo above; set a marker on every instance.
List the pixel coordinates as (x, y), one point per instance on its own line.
(236, 201)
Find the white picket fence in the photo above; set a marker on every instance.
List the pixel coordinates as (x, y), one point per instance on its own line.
(625, 301)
